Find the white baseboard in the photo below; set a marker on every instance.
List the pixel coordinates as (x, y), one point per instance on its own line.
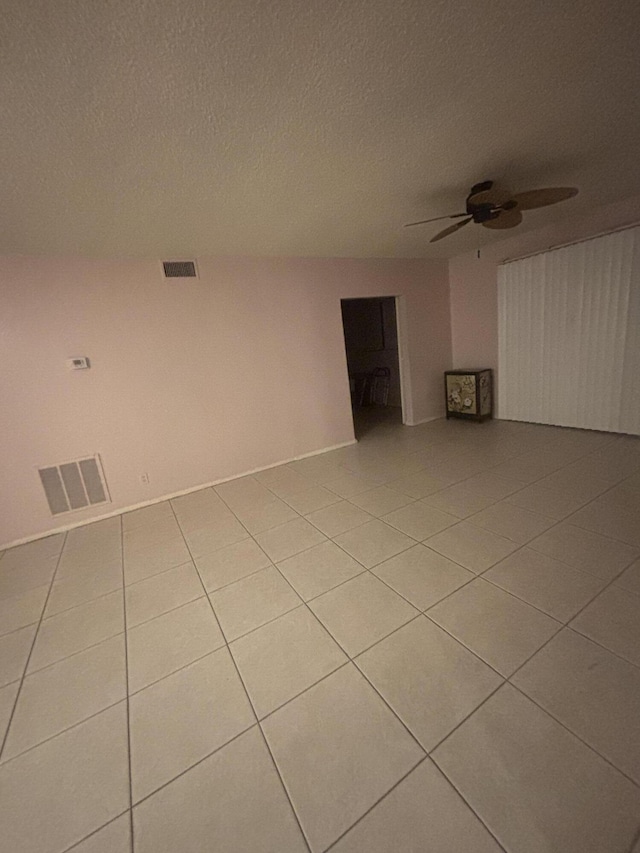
(424, 420)
(122, 510)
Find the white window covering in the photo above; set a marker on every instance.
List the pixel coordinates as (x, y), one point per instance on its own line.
(569, 335)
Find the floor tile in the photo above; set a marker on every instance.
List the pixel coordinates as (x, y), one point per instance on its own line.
(519, 525)
(424, 813)
(359, 750)
(338, 518)
(20, 580)
(581, 549)
(283, 658)
(22, 610)
(311, 499)
(429, 679)
(630, 578)
(14, 651)
(59, 792)
(380, 501)
(242, 490)
(74, 630)
(148, 515)
(579, 485)
(501, 629)
(613, 620)
(252, 602)
(418, 485)
(284, 482)
(70, 591)
(62, 695)
(458, 500)
(422, 576)
(493, 485)
(289, 539)
(169, 734)
(460, 467)
(552, 502)
(161, 593)
(197, 509)
(8, 695)
(561, 796)
(259, 518)
(319, 569)
(374, 542)
(231, 564)
(614, 521)
(24, 557)
(350, 485)
(552, 586)
(208, 808)
(115, 837)
(171, 641)
(148, 537)
(472, 547)
(99, 534)
(155, 558)
(419, 520)
(195, 760)
(87, 560)
(361, 611)
(214, 535)
(592, 692)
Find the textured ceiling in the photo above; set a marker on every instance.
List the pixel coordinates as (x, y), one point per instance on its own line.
(304, 127)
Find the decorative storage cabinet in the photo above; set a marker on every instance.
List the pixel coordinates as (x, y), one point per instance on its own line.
(469, 393)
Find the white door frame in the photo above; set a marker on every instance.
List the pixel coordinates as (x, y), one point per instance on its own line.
(404, 367)
(404, 364)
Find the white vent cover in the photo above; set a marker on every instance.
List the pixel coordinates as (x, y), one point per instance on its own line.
(179, 269)
(74, 485)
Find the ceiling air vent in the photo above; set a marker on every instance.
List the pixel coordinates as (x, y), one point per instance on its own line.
(74, 485)
(180, 269)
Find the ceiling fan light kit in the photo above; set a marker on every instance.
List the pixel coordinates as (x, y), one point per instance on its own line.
(495, 208)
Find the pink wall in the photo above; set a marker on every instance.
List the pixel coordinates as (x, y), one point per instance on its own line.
(474, 282)
(191, 381)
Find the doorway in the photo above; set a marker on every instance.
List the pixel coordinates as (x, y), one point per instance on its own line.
(373, 362)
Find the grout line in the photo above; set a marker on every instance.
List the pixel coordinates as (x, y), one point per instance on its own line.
(126, 681)
(28, 658)
(76, 844)
(469, 806)
(304, 603)
(606, 648)
(7, 761)
(82, 603)
(191, 766)
(589, 746)
(247, 694)
(349, 660)
(76, 653)
(379, 800)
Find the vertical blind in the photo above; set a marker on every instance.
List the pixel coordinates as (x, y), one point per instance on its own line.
(569, 335)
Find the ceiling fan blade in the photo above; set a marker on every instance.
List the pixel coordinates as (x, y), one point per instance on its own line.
(494, 196)
(435, 219)
(541, 198)
(450, 230)
(505, 219)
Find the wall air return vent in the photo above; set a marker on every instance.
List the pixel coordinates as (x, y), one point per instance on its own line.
(74, 485)
(180, 269)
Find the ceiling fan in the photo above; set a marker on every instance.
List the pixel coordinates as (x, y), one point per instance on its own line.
(495, 208)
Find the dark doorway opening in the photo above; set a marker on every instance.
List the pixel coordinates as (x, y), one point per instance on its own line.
(371, 342)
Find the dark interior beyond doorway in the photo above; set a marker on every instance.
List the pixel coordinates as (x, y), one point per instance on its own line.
(371, 342)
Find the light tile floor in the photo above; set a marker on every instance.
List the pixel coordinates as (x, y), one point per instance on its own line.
(428, 641)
